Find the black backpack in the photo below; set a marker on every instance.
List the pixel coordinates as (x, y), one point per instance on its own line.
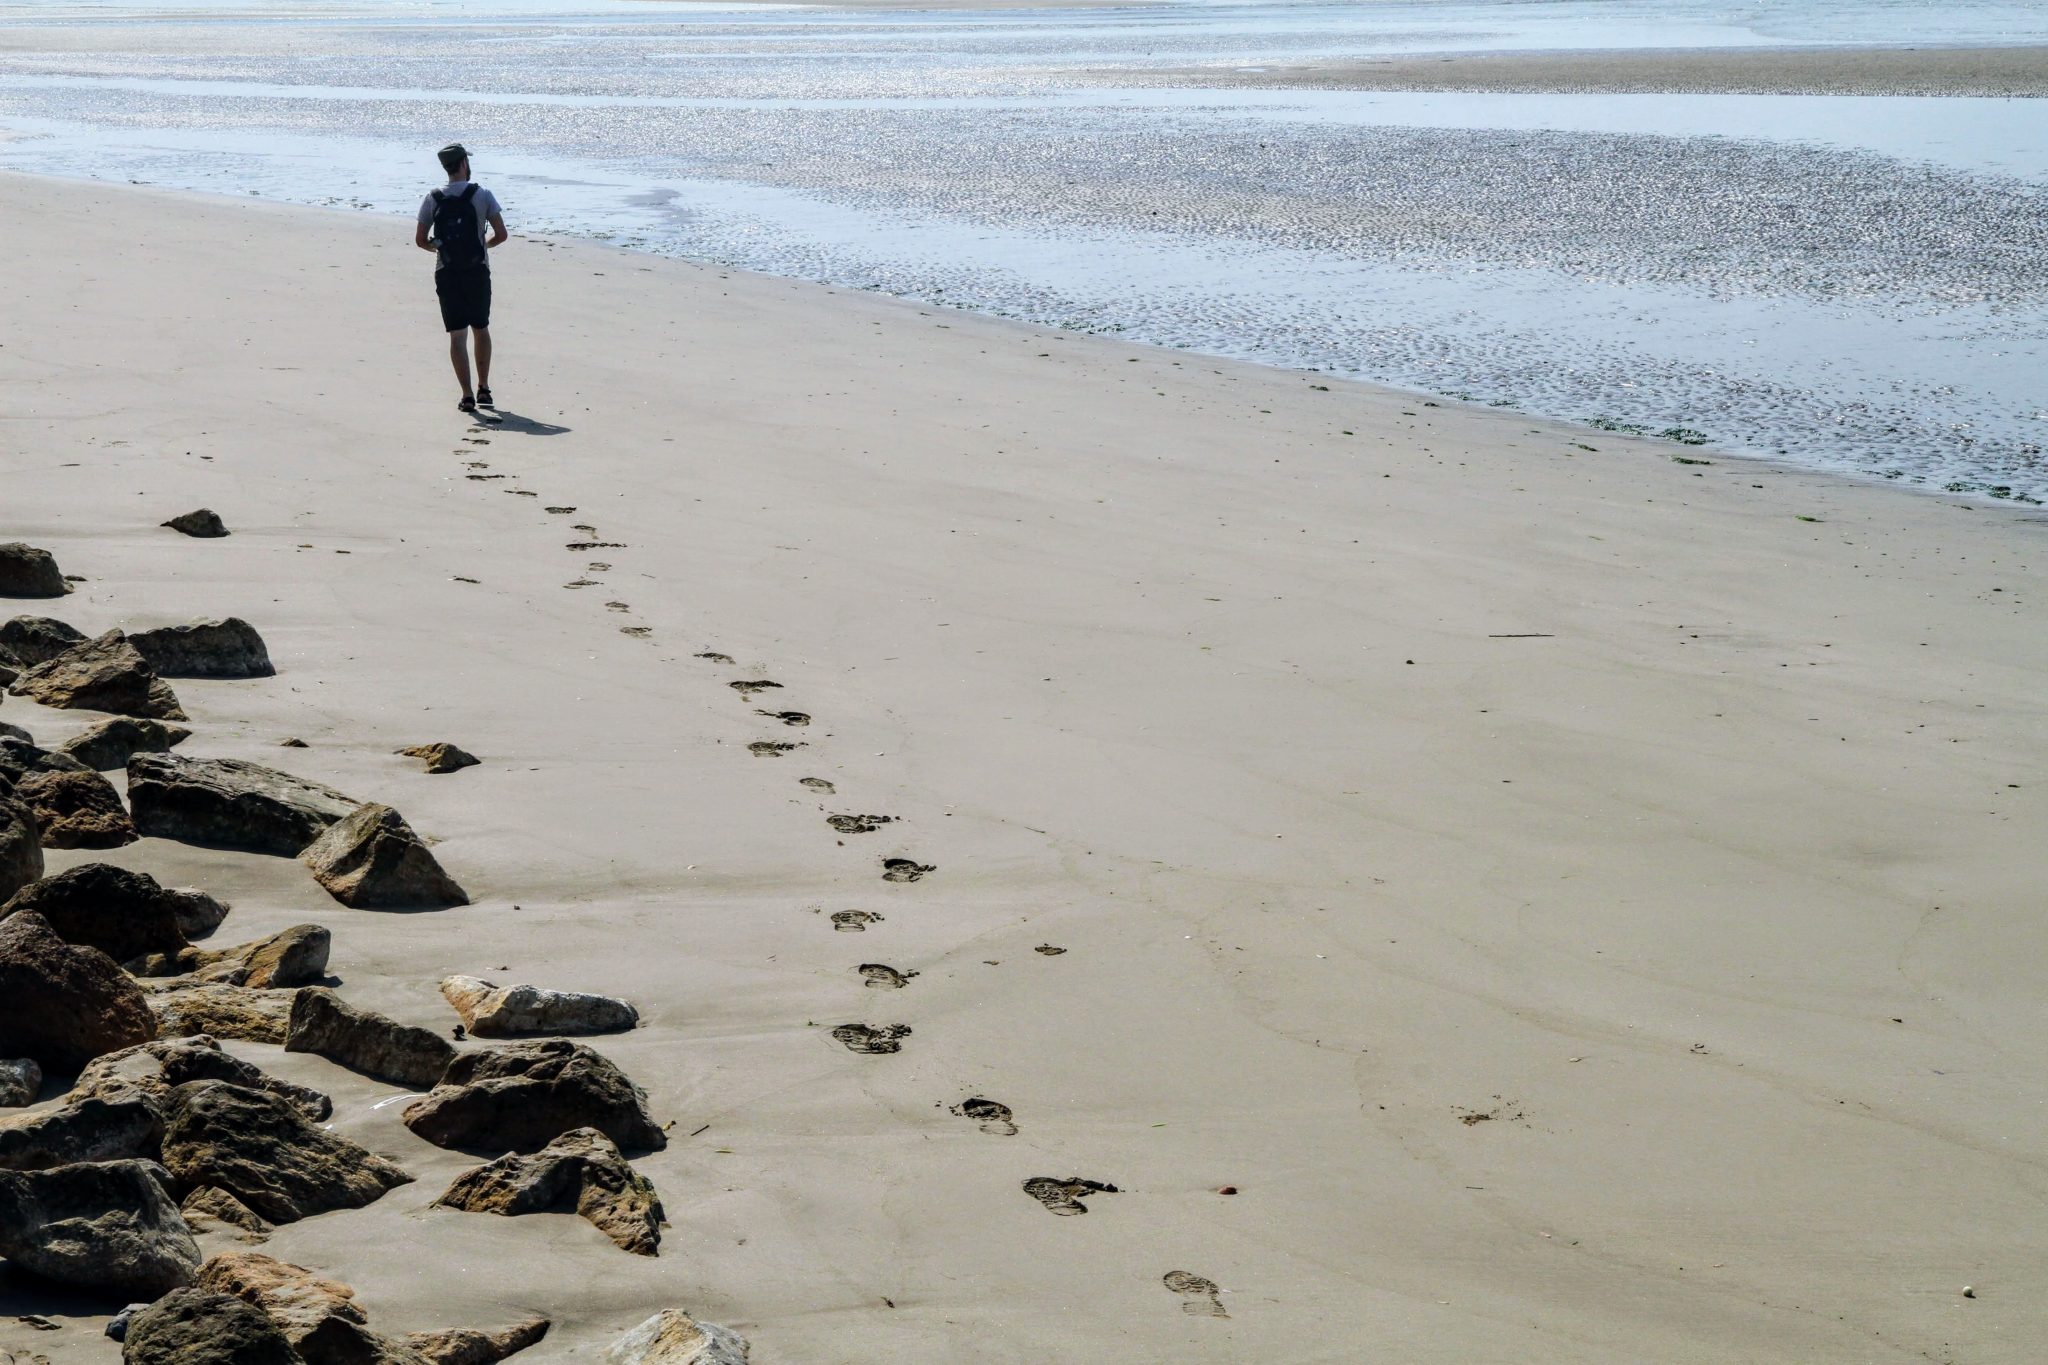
(455, 229)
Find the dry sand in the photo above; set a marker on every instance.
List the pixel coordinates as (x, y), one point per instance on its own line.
(1988, 71)
(1587, 905)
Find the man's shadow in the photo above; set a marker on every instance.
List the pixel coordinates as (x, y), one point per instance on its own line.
(525, 426)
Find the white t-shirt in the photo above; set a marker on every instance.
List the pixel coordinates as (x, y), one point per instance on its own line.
(486, 204)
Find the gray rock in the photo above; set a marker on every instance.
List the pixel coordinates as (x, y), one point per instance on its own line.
(20, 758)
(21, 1080)
(117, 1325)
(519, 1097)
(102, 1224)
(151, 1071)
(183, 1008)
(111, 743)
(230, 803)
(227, 648)
(21, 845)
(103, 674)
(470, 1346)
(673, 1337)
(26, 571)
(580, 1172)
(194, 1327)
(201, 524)
(198, 913)
(76, 810)
(372, 860)
(65, 1005)
(362, 1040)
(318, 1316)
(124, 914)
(263, 1150)
(36, 639)
(492, 1011)
(88, 1129)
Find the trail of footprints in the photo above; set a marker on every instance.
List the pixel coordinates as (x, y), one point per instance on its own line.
(1064, 1197)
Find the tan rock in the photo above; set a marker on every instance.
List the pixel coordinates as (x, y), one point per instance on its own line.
(373, 860)
(673, 1337)
(489, 1010)
(440, 758)
(580, 1172)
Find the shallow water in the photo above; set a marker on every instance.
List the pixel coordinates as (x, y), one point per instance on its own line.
(1854, 283)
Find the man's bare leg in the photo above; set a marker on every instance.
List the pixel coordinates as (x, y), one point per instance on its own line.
(483, 356)
(458, 355)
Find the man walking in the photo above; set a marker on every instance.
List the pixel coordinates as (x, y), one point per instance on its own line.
(456, 214)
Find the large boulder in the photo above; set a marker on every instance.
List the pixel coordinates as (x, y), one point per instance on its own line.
(65, 1004)
(372, 860)
(262, 1149)
(109, 745)
(519, 1097)
(21, 1079)
(21, 845)
(20, 757)
(318, 1316)
(103, 674)
(473, 1346)
(76, 810)
(673, 1337)
(26, 571)
(123, 914)
(38, 639)
(153, 1070)
(183, 1008)
(363, 1040)
(230, 803)
(194, 1327)
(580, 1172)
(106, 1225)
(88, 1128)
(228, 648)
(492, 1011)
(201, 523)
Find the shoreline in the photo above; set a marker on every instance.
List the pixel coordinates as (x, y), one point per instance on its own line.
(1517, 870)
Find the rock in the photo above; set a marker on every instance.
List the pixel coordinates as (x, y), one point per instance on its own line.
(262, 1149)
(26, 571)
(193, 1327)
(492, 1011)
(440, 758)
(12, 731)
(111, 743)
(183, 1008)
(65, 1004)
(318, 1316)
(227, 648)
(519, 1097)
(469, 1346)
(198, 914)
(291, 957)
(19, 758)
(201, 524)
(230, 803)
(21, 845)
(76, 810)
(21, 1080)
(124, 914)
(106, 1225)
(372, 860)
(580, 1172)
(154, 1069)
(211, 1209)
(363, 1040)
(104, 674)
(36, 639)
(88, 1129)
(673, 1337)
(117, 1325)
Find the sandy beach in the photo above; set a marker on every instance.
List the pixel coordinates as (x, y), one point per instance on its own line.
(1525, 893)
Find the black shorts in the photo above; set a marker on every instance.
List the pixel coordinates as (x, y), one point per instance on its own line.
(465, 297)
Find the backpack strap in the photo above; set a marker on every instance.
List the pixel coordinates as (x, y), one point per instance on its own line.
(468, 193)
(439, 198)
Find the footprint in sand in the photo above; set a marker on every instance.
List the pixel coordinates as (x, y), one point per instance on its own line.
(771, 748)
(818, 784)
(787, 717)
(1048, 950)
(1200, 1293)
(582, 545)
(716, 657)
(748, 689)
(1064, 1196)
(904, 870)
(616, 606)
(858, 824)
(637, 632)
(870, 1039)
(877, 977)
(584, 583)
(475, 464)
(520, 492)
(586, 530)
(854, 921)
(560, 511)
(993, 1115)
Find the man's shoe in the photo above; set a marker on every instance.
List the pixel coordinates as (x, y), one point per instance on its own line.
(483, 397)
(467, 404)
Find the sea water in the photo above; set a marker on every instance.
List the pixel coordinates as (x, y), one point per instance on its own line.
(1853, 283)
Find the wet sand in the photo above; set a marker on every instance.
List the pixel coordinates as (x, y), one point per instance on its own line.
(1987, 71)
(1581, 894)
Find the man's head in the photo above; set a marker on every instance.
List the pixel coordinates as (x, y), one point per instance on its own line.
(455, 161)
